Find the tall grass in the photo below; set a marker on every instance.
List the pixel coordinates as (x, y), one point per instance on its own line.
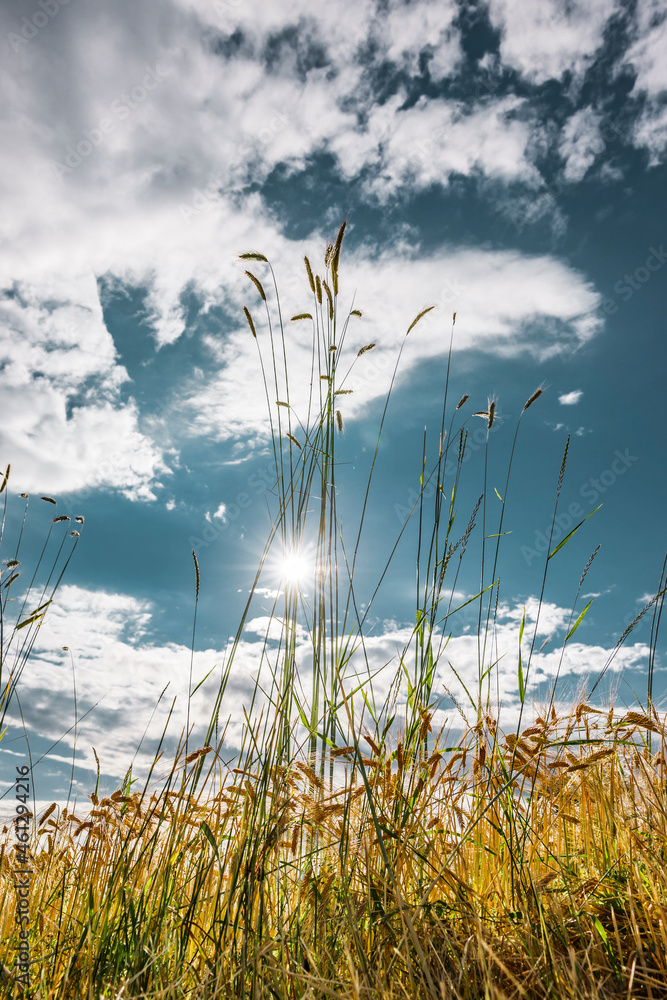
(22, 608)
(349, 850)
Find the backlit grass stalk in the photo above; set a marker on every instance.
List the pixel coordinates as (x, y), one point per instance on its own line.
(348, 847)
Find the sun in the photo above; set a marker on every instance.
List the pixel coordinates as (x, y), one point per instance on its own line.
(295, 567)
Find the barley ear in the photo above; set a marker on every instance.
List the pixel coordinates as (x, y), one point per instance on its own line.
(536, 394)
(250, 322)
(417, 318)
(253, 255)
(257, 283)
(330, 298)
(311, 280)
(335, 260)
(562, 468)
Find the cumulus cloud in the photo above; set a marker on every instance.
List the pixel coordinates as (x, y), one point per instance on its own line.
(434, 140)
(546, 40)
(120, 676)
(507, 303)
(147, 171)
(126, 681)
(580, 144)
(570, 398)
(646, 54)
(650, 132)
(64, 426)
(646, 57)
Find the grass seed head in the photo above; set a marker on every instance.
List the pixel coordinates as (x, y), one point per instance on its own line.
(253, 255)
(311, 280)
(194, 556)
(330, 298)
(258, 285)
(250, 322)
(536, 395)
(417, 318)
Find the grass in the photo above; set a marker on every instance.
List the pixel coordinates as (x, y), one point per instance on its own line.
(348, 850)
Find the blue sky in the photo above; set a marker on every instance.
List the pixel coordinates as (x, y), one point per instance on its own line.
(504, 160)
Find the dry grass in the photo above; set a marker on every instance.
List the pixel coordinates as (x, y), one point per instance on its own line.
(336, 860)
(428, 874)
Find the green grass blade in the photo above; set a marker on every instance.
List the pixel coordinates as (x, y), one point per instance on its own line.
(574, 530)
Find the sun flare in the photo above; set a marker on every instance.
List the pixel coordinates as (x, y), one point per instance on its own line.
(295, 568)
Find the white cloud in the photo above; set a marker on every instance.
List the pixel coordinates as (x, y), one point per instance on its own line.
(570, 398)
(580, 143)
(507, 303)
(121, 673)
(64, 426)
(220, 512)
(650, 132)
(160, 200)
(120, 677)
(409, 29)
(545, 40)
(647, 53)
(647, 57)
(435, 139)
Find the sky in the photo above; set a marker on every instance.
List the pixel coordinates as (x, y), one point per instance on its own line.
(501, 160)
